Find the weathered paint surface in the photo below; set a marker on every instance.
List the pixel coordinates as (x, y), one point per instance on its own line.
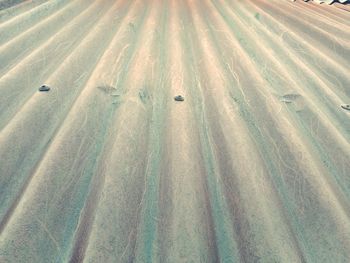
(252, 166)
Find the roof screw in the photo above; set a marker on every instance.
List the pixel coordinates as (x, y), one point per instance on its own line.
(179, 98)
(44, 88)
(345, 106)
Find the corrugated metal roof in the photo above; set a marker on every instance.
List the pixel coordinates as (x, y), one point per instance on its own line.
(253, 165)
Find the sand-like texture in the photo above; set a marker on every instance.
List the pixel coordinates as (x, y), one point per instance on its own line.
(253, 165)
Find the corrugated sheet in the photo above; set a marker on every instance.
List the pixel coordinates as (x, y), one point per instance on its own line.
(253, 165)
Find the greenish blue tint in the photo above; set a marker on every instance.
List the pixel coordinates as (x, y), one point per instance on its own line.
(105, 118)
(150, 209)
(299, 225)
(226, 243)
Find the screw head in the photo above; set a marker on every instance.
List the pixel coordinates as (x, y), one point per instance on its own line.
(345, 106)
(179, 98)
(44, 88)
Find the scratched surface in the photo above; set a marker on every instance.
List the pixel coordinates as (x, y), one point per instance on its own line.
(253, 165)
